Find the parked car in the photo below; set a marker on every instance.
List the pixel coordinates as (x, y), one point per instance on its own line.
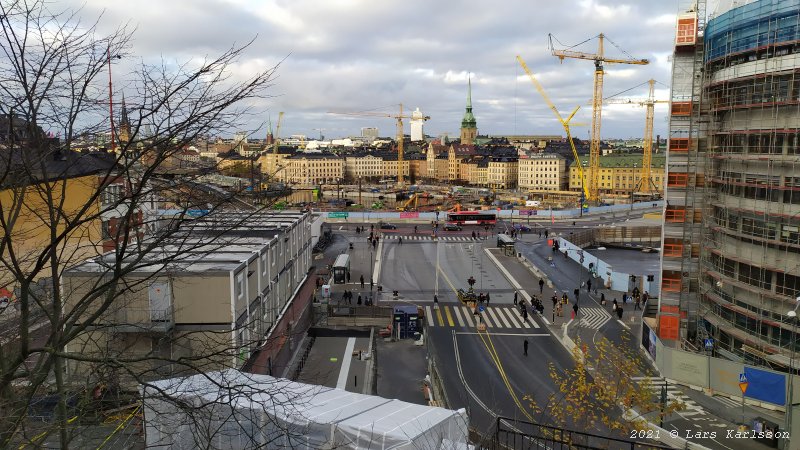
(452, 227)
(388, 226)
(522, 227)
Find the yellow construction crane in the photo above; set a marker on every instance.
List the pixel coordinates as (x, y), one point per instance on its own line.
(399, 117)
(646, 183)
(277, 134)
(597, 103)
(564, 123)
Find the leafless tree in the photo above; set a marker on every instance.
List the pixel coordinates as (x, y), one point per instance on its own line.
(53, 96)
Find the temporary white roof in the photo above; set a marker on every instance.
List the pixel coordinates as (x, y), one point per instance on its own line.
(281, 413)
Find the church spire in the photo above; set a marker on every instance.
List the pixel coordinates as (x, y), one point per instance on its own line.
(469, 126)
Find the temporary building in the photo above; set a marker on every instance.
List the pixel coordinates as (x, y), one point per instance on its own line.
(236, 410)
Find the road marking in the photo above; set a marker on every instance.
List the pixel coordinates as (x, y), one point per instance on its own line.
(439, 317)
(429, 315)
(505, 334)
(341, 383)
(499, 314)
(449, 317)
(457, 311)
(485, 319)
(340, 227)
(513, 319)
(468, 316)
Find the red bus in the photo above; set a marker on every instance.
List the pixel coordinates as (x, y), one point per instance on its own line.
(472, 218)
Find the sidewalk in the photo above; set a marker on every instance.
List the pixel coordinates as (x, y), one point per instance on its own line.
(715, 414)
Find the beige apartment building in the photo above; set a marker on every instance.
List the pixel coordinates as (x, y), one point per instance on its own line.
(543, 171)
(310, 169)
(619, 174)
(502, 173)
(218, 298)
(366, 166)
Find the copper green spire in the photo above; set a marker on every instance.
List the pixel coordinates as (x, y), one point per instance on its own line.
(469, 120)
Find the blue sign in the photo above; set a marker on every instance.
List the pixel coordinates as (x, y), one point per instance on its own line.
(481, 308)
(765, 386)
(742, 378)
(197, 212)
(709, 344)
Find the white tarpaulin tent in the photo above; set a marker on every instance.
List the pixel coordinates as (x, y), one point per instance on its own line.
(231, 409)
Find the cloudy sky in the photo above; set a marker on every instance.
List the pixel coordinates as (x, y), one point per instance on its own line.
(358, 55)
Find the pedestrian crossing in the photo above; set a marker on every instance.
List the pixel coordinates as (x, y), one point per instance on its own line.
(593, 318)
(419, 237)
(495, 317)
(690, 408)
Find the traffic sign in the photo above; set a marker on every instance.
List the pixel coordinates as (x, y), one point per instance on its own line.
(742, 378)
(338, 215)
(743, 387)
(481, 308)
(709, 344)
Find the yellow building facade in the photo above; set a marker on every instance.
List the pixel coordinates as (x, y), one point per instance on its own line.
(619, 174)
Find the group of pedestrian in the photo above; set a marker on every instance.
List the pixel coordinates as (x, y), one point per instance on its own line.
(476, 235)
(617, 308)
(347, 296)
(546, 233)
(483, 298)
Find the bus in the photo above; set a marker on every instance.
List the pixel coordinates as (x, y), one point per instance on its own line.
(472, 218)
(341, 268)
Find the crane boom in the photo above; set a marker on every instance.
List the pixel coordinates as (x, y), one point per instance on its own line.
(597, 103)
(564, 123)
(647, 158)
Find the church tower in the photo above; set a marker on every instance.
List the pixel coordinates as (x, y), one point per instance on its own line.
(469, 127)
(124, 125)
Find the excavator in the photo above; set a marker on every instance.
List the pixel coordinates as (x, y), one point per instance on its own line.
(414, 199)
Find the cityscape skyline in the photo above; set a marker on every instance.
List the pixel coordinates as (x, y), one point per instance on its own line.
(344, 56)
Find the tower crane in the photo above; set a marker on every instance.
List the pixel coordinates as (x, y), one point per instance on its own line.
(277, 134)
(597, 102)
(399, 117)
(564, 123)
(646, 183)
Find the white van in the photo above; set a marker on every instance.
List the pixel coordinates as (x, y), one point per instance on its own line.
(533, 203)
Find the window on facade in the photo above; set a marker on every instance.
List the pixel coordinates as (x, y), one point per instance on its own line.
(677, 179)
(240, 285)
(105, 229)
(675, 214)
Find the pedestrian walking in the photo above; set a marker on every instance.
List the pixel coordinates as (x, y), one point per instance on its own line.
(546, 232)
(554, 298)
(371, 284)
(515, 297)
(614, 305)
(575, 311)
(619, 313)
(362, 281)
(636, 304)
(525, 347)
(541, 286)
(400, 239)
(487, 298)
(415, 229)
(577, 292)
(473, 235)
(559, 310)
(624, 297)
(524, 313)
(603, 298)
(435, 302)
(359, 299)
(588, 285)
(540, 234)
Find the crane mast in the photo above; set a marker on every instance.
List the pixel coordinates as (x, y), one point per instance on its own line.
(597, 104)
(647, 158)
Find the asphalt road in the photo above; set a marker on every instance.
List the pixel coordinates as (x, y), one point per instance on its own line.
(485, 372)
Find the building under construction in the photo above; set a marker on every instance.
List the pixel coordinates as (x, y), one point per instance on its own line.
(731, 246)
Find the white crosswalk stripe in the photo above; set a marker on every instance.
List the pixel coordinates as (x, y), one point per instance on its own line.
(457, 312)
(495, 317)
(429, 238)
(732, 403)
(673, 394)
(467, 315)
(593, 318)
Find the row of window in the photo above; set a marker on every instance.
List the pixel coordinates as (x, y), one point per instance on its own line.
(758, 227)
(761, 278)
(767, 193)
(781, 88)
(777, 143)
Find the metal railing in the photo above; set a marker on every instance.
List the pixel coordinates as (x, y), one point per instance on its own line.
(359, 311)
(518, 434)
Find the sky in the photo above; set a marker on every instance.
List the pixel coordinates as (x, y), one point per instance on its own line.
(360, 55)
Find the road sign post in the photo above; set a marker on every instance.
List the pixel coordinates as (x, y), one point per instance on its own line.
(743, 383)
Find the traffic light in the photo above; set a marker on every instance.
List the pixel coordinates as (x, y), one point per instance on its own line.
(633, 278)
(651, 278)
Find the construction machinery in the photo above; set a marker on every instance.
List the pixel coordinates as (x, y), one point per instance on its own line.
(412, 200)
(599, 59)
(564, 123)
(400, 139)
(645, 184)
(277, 134)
